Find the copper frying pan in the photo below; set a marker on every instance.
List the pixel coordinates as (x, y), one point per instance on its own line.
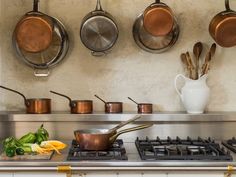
(34, 31)
(158, 19)
(222, 27)
(102, 139)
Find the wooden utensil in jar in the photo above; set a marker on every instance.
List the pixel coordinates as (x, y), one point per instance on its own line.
(197, 51)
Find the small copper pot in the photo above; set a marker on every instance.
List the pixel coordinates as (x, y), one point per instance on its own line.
(143, 108)
(158, 19)
(78, 106)
(34, 105)
(112, 107)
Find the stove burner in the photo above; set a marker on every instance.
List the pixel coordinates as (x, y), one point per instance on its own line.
(230, 144)
(116, 152)
(200, 149)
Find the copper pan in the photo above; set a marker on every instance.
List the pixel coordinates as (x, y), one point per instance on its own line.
(143, 108)
(112, 107)
(34, 31)
(78, 106)
(34, 105)
(222, 27)
(102, 139)
(158, 19)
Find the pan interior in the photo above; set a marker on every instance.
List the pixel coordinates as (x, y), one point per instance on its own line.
(99, 33)
(93, 131)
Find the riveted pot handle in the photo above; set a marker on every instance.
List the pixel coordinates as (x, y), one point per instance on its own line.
(40, 73)
(176, 80)
(36, 6)
(99, 6)
(227, 6)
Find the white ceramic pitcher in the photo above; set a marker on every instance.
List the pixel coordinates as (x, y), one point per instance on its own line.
(194, 95)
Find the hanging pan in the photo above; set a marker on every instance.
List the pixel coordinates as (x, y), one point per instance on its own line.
(34, 31)
(158, 19)
(42, 61)
(222, 27)
(154, 44)
(99, 31)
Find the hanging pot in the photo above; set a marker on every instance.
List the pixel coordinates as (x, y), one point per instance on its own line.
(42, 61)
(222, 27)
(34, 105)
(99, 31)
(158, 19)
(78, 106)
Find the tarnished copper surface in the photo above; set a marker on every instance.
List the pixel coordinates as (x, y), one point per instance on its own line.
(81, 107)
(38, 106)
(113, 107)
(158, 20)
(223, 29)
(34, 34)
(144, 108)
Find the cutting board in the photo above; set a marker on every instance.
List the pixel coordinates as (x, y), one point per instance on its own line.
(46, 156)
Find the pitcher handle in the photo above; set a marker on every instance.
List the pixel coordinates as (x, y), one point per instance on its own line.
(176, 80)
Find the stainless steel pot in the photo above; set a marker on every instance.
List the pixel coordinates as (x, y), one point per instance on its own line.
(41, 62)
(99, 31)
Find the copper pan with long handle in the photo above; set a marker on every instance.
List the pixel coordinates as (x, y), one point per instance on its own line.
(222, 27)
(101, 139)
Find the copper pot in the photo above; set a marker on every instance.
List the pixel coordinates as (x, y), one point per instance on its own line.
(34, 105)
(158, 19)
(222, 27)
(112, 107)
(78, 106)
(102, 139)
(34, 31)
(143, 108)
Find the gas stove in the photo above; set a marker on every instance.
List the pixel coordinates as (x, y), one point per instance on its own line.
(230, 144)
(178, 149)
(116, 152)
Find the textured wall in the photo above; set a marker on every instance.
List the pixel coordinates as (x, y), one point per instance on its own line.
(127, 71)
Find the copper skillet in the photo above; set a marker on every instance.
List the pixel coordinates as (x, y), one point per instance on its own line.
(158, 19)
(78, 106)
(143, 108)
(34, 105)
(34, 31)
(112, 107)
(102, 139)
(222, 27)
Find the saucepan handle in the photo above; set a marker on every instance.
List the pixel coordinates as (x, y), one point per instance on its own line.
(140, 127)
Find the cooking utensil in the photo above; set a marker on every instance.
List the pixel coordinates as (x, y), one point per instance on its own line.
(34, 105)
(34, 31)
(41, 62)
(213, 50)
(191, 66)
(143, 108)
(185, 62)
(206, 65)
(151, 43)
(197, 51)
(102, 139)
(222, 27)
(78, 106)
(112, 107)
(158, 19)
(99, 31)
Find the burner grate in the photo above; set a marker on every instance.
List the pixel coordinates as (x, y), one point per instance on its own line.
(177, 149)
(230, 144)
(116, 152)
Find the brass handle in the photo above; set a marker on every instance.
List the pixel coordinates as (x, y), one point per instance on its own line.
(140, 127)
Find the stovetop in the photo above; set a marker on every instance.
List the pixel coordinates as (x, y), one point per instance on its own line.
(116, 152)
(178, 149)
(230, 144)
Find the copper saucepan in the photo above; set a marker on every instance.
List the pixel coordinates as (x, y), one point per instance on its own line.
(222, 27)
(143, 108)
(34, 31)
(102, 139)
(34, 105)
(112, 107)
(78, 106)
(158, 19)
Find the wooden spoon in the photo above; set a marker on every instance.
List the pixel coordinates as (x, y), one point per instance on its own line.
(206, 65)
(213, 50)
(197, 51)
(190, 63)
(186, 63)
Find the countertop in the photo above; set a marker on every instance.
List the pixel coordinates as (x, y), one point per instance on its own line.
(133, 163)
